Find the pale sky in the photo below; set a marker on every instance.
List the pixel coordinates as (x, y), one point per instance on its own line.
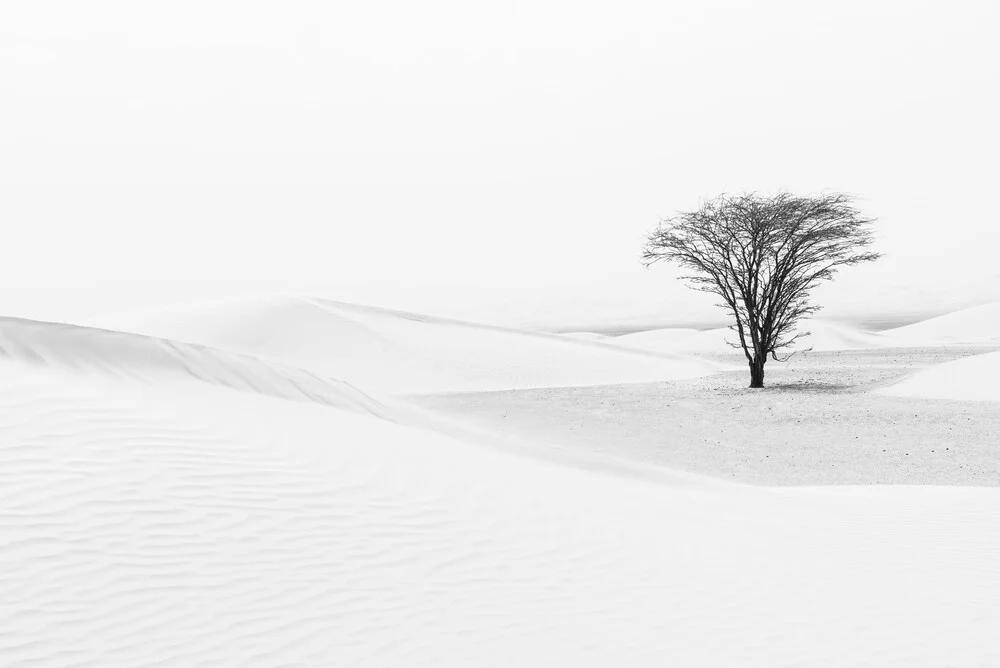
(500, 161)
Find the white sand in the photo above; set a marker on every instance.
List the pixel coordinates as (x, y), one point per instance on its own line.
(168, 504)
(395, 352)
(978, 324)
(587, 336)
(101, 354)
(677, 339)
(974, 378)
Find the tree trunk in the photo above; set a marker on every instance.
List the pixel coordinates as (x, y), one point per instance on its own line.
(757, 371)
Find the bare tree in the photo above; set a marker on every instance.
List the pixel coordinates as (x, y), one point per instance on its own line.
(763, 255)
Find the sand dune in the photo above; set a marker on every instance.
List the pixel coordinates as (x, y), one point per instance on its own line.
(978, 324)
(101, 354)
(675, 339)
(147, 364)
(824, 336)
(188, 524)
(396, 352)
(975, 378)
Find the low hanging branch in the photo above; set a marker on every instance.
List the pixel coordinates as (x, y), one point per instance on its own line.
(763, 256)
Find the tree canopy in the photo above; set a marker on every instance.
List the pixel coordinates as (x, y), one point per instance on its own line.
(763, 255)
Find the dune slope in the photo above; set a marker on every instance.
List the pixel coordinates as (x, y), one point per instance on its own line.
(975, 378)
(105, 354)
(397, 352)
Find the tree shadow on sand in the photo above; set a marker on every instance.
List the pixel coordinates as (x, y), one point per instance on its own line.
(810, 387)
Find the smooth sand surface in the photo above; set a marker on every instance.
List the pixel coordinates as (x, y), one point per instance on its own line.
(977, 324)
(975, 378)
(819, 422)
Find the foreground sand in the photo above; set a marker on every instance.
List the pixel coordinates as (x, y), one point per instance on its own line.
(193, 525)
(819, 422)
(172, 504)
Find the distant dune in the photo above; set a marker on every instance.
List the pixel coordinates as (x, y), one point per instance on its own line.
(676, 340)
(825, 335)
(978, 324)
(398, 352)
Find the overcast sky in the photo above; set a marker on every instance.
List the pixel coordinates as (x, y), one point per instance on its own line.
(500, 161)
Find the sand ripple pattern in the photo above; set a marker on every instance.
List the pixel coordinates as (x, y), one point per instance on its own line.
(144, 526)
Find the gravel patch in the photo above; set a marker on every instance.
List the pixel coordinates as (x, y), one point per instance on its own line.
(817, 422)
